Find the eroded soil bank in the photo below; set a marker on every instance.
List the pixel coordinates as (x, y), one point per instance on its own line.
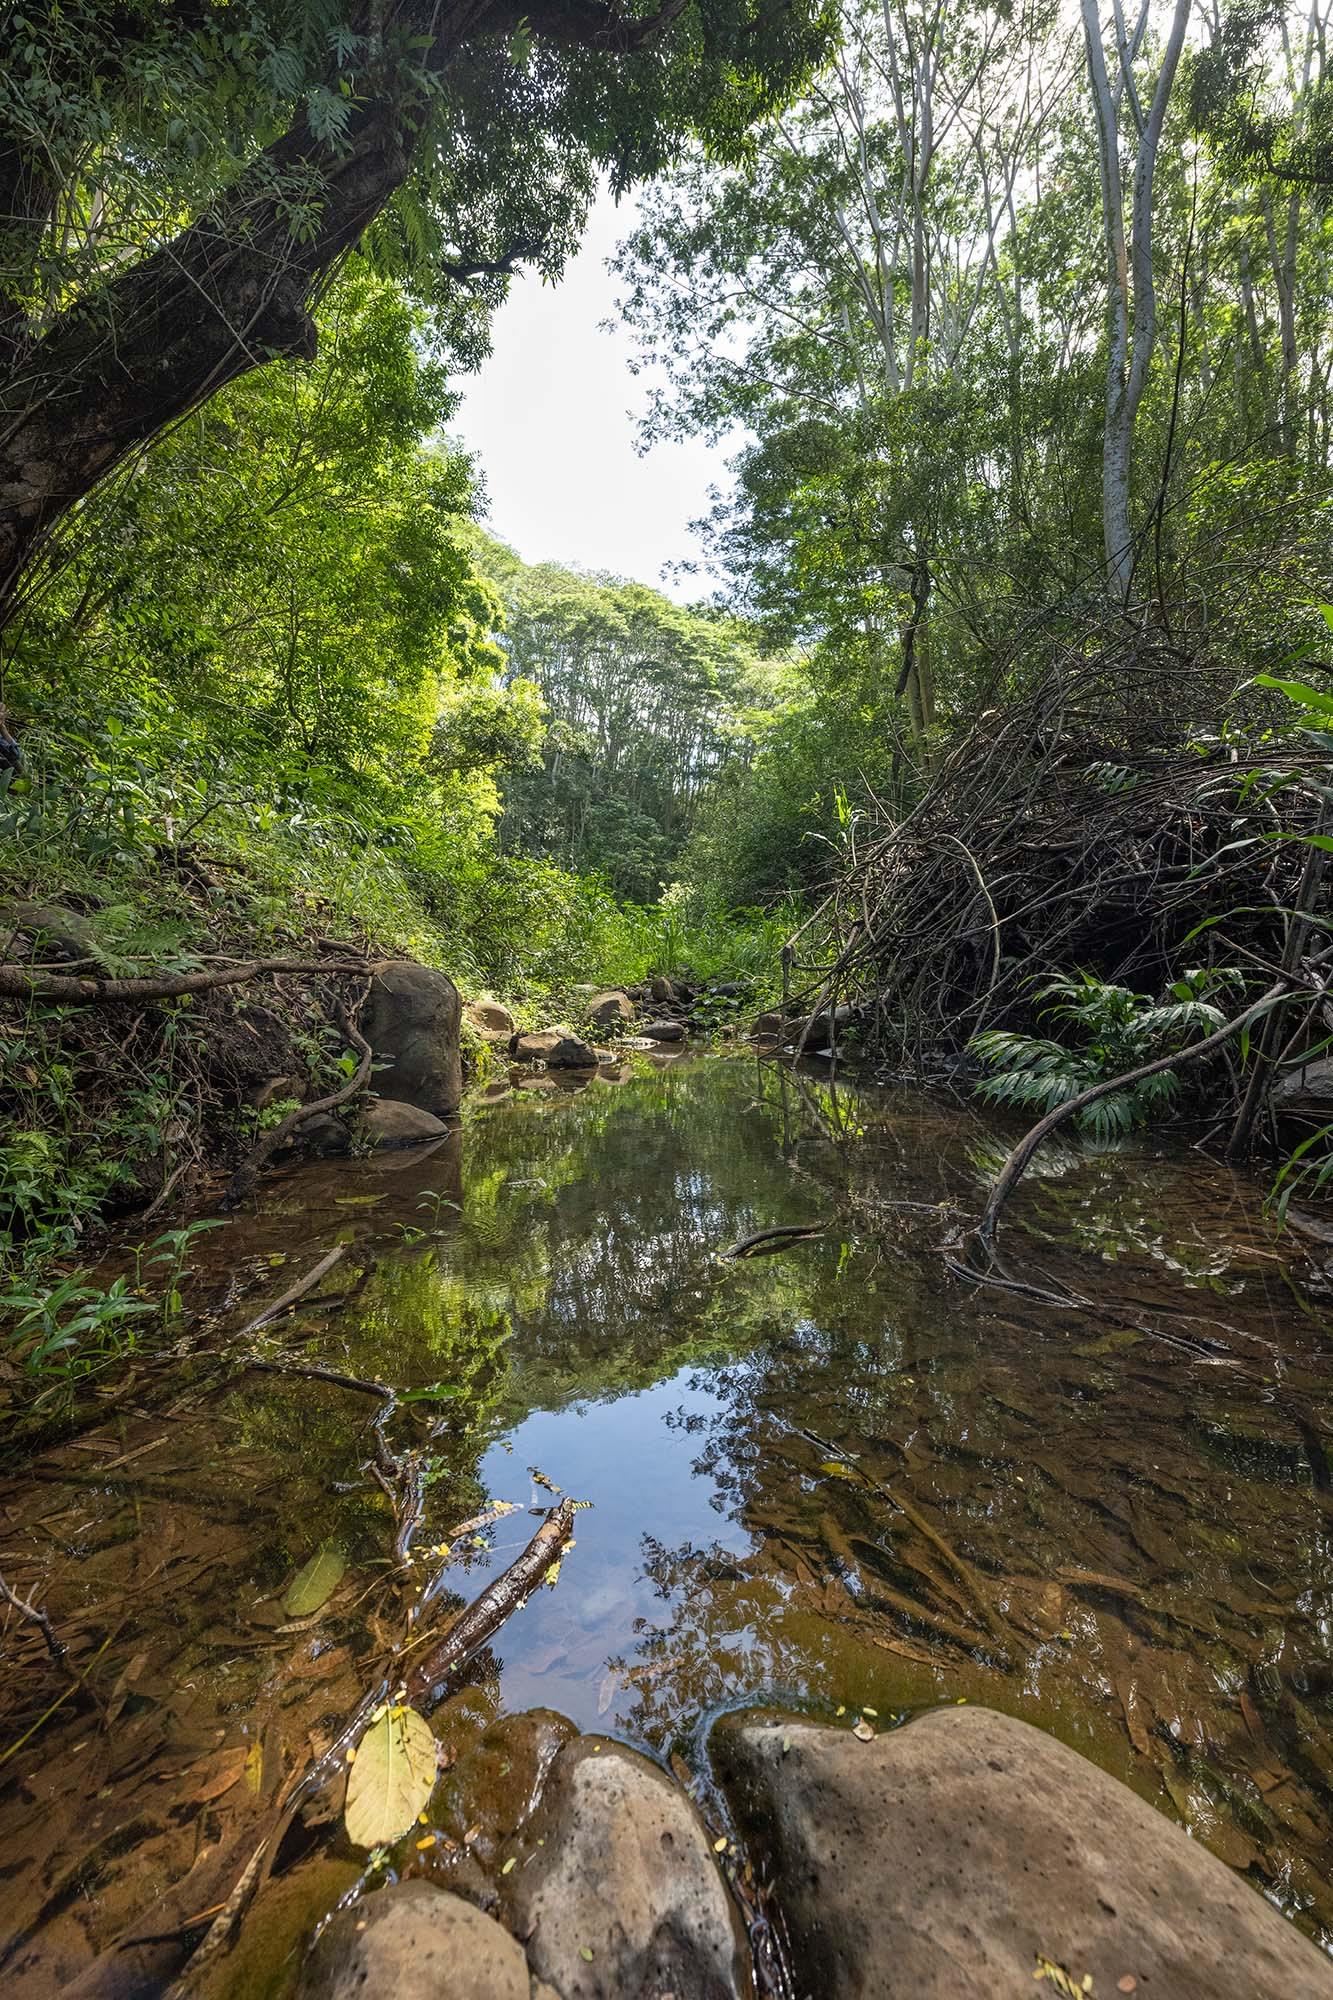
(829, 1478)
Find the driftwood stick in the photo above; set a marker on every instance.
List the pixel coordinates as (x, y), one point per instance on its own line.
(486, 1614)
(765, 1240)
(296, 1291)
(19, 982)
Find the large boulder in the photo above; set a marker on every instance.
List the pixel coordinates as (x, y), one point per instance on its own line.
(411, 1022)
(558, 1048)
(610, 1009)
(387, 1121)
(416, 1942)
(618, 1892)
(953, 1854)
(492, 1021)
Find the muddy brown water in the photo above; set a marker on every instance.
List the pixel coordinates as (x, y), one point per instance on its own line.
(832, 1477)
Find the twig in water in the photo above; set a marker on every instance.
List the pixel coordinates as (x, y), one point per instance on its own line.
(296, 1291)
(36, 1616)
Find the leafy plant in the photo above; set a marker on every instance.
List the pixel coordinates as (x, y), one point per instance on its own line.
(1112, 1031)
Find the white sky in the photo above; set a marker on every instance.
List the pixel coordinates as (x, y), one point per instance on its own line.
(552, 419)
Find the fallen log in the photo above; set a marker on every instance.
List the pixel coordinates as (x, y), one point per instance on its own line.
(19, 982)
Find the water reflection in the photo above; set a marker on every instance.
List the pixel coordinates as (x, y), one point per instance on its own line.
(832, 1474)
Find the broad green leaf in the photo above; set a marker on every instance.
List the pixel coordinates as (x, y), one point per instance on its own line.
(1300, 692)
(391, 1779)
(314, 1583)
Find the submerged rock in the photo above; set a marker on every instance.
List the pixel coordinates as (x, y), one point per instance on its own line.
(411, 1021)
(416, 1942)
(623, 1897)
(385, 1121)
(556, 1047)
(951, 1855)
(767, 1027)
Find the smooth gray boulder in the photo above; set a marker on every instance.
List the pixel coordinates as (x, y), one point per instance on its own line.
(411, 1020)
(386, 1121)
(413, 1941)
(948, 1856)
(618, 1893)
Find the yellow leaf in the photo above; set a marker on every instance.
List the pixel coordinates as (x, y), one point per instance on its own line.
(392, 1778)
(511, 1863)
(254, 1766)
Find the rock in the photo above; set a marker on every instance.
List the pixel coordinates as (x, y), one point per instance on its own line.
(820, 1030)
(411, 1021)
(943, 1857)
(664, 1031)
(322, 1136)
(386, 1121)
(558, 1048)
(728, 989)
(625, 1873)
(492, 1021)
(767, 1027)
(609, 1010)
(1307, 1089)
(52, 932)
(662, 990)
(413, 1941)
(494, 1782)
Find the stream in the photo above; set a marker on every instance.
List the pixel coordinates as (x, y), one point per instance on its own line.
(831, 1476)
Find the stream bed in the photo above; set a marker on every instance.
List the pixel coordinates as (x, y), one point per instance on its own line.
(833, 1477)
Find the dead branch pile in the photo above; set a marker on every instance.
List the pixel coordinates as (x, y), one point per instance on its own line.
(1049, 840)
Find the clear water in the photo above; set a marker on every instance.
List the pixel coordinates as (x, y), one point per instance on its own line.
(830, 1475)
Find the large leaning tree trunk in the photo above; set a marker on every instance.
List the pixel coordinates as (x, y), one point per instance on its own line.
(88, 379)
(1131, 293)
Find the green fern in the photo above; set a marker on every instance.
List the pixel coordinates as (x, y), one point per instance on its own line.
(1113, 1030)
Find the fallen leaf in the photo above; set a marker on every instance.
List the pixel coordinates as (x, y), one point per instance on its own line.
(254, 1766)
(218, 1773)
(720, 1846)
(1254, 1722)
(392, 1778)
(864, 1732)
(315, 1582)
(511, 1863)
(606, 1693)
(584, 1952)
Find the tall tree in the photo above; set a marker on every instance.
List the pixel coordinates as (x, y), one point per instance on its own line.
(178, 181)
(1120, 94)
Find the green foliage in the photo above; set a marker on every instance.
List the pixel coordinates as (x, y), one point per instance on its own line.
(645, 703)
(1114, 1031)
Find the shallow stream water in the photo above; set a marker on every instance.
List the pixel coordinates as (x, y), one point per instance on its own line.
(833, 1476)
